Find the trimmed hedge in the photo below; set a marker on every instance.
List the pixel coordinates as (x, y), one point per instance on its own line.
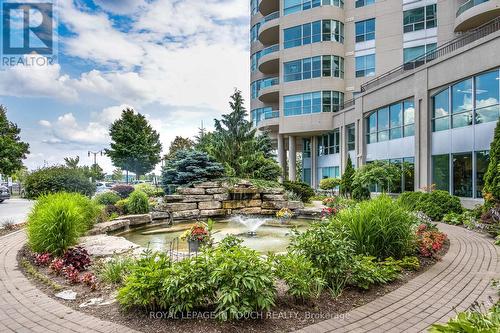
(303, 190)
(435, 204)
(57, 179)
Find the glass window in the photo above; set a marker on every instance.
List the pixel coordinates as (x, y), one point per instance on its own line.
(482, 160)
(440, 111)
(308, 68)
(351, 137)
(292, 70)
(365, 65)
(486, 97)
(306, 176)
(292, 6)
(411, 53)
(293, 36)
(383, 119)
(396, 112)
(254, 32)
(325, 30)
(409, 173)
(462, 175)
(441, 171)
(312, 102)
(461, 104)
(362, 3)
(306, 148)
(392, 122)
(365, 30)
(419, 18)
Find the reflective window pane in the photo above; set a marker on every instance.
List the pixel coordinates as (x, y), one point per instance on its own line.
(409, 130)
(383, 136)
(409, 173)
(383, 119)
(409, 112)
(396, 133)
(487, 114)
(441, 172)
(440, 124)
(440, 104)
(396, 115)
(461, 99)
(372, 122)
(462, 175)
(487, 90)
(461, 120)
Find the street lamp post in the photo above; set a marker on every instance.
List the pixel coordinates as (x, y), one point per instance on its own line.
(95, 153)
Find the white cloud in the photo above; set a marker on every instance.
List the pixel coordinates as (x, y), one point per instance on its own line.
(120, 6)
(44, 123)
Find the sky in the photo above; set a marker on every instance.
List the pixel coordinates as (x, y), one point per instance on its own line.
(175, 61)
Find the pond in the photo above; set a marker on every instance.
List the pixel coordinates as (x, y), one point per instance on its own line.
(261, 234)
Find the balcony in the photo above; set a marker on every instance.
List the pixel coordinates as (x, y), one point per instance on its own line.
(474, 13)
(269, 60)
(269, 32)
(269, 90)
(267, 7)
(266, 120)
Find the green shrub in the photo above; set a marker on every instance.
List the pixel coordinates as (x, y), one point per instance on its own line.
(367, 272)
(380, 228)
(57, 220)
(57, 179)
(143, 287)
(150, 190)
(92, 211)
(243, 280)
(233, 278)
(115, 270)
(122, 206)
(452, 218)
(138, 203)
(328, 248)
(303, 190)
(107, 198)
(410, 200)
(329, 184)
(360, 192)
(473, 320)
(437, 203)
(304, 281)
(410, 263)
(187, 286)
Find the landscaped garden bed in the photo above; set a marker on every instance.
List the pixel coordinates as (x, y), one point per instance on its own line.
(356, 253)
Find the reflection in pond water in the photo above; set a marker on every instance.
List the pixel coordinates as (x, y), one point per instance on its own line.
(270, 235)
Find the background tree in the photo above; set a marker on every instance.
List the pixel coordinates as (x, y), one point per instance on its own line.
(491, 190)
(117, 175)
(178, 144)
(12, 150)
(72, 162)
(329, 184)
(347, 178)
(380, 173)
(135, 145)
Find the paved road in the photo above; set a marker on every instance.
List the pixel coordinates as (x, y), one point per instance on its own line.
(15, 210)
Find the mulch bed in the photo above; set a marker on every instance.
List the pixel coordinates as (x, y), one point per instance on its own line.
(285, 316)
(11, 228)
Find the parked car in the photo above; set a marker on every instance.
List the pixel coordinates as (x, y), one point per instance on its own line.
(103, 187)
(4, 193)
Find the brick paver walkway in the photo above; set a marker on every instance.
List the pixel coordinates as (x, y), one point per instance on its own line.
(462, 277)
(24, 308)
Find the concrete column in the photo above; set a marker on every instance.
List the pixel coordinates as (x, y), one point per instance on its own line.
(422, 132)
(292, 158)
(360, 134)
(314, 162)
(343, 148)
(281, 155)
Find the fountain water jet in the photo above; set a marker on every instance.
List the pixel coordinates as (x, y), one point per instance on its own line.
(250, 223)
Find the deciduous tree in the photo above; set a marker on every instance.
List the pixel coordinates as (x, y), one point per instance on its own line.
(12, 150)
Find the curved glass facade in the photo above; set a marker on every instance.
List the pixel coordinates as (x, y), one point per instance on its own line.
(474, 100)
(391, 122)
(314, 32)
(313, 102)
(309, 68)
(294, 6)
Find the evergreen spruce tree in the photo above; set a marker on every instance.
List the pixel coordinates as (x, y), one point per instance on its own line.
(347, 178)
(491, 190)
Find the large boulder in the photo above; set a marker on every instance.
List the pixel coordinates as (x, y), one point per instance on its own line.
(209, 205)
(186, 214)
(106, 246)
(108, 226)
(191, 191)
(221, 196)
(213, 212)
(273, 197)
(197, 198)
(216, 190)
(208, 185)
(137, 219)
(179, 206)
